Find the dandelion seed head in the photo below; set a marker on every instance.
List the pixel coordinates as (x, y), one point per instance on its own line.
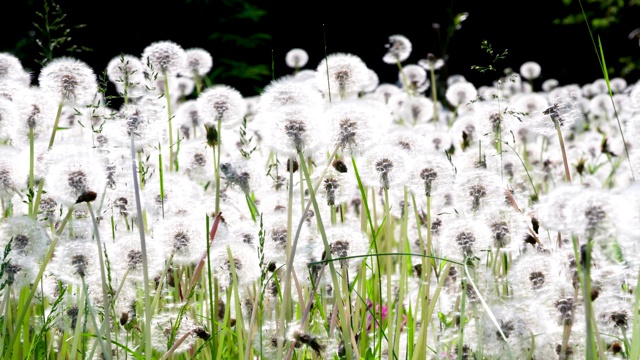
(180, 240)
(530, 70)
(79, 262)
(537, 279)
(347, 74)
(134, 259)
(69, 80)
(198, 61)
(166, 57)
(461, 93)
(399, 49)
(296, 58)
(222, 103)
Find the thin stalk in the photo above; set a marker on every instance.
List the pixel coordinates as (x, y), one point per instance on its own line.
(92, 311)
(143, 249)
(161, 178)
(176, 345)
(32, 210)
(217, 164)
(55, 125)
(434, 95)
(34, 287)
(285, 312)
(567, 173)
(36, 204)
(105, 288)
(346, 328)
(167, 95)
(291, 250)
(326, 61)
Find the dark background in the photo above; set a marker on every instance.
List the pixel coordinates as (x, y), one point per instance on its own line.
(243, 36)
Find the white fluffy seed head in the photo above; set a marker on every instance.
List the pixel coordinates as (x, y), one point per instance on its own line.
(166, 57)
(198, 61)
(69, 80)
(345, 74)
(399, 49)
(222, 103)
(296, 58)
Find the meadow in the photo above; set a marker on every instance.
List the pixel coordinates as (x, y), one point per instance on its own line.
(332, 216)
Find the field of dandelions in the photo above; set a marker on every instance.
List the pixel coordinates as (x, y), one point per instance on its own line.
(332, 216)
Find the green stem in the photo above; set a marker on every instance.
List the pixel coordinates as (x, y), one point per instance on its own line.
(167, 95)
(567, 173)
(217, 164)
(32, 210)
(105, 288)
(434, 95)
(346, 328)
(143, 249)
(55, 125)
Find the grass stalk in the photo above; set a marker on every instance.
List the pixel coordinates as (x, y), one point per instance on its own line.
(143, 249)
(346, 328)
(106, 296)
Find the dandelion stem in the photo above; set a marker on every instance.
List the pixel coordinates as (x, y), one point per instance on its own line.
(167, 95)
(346, 328)
(31, 177)
(55, 125)
(143, 250)
(434, 95)
(216, 162)
(92, 311)
(567, 173)
(105, 288)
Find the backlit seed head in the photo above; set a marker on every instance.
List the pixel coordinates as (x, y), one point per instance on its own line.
(247, 238)
(166, 57)
(20, 242)
(77, 180)
(199, 160)
(436, 224)
(279, 236)
(500, 230)
(121, 204)
(428, 175)
(180, 240)
(339, 248)
(595, 215)
(296, 58)
(80, 263)
(295, 130)
(618, 318)
(331, 186)
(72, 313)
(399, 49)
(11, 270)
(477, 193)
(565, 307)
(134, 259)
(384, 167)
(537, 279)
(347, 133)
(507, 328)
(70, 80)
(465, 240)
